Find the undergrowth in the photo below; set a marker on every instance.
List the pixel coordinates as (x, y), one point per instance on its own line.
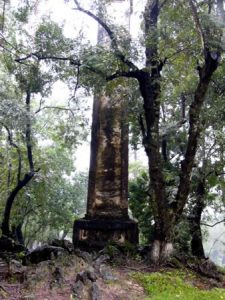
(175, 285)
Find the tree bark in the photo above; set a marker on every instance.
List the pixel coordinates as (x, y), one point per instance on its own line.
(166, 215)
(149, 82)
(18, 234)
(28, 132)
(205, 75)
(27, 177)
(197, 248)
(10, 200)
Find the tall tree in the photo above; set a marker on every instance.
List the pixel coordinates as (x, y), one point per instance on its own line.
(167, 213)
(22, 84)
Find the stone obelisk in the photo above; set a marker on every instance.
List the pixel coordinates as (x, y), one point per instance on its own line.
(107, 204)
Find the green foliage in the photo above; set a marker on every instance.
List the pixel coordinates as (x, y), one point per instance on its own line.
(22, 14)
(175, 285)
(112, 250)
(141, 206)
(33, 79)
(50, 40)
(56, 195)
(182, 237)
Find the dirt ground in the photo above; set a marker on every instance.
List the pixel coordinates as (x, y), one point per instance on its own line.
(38, 282)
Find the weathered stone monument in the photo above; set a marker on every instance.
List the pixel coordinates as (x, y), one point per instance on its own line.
(107, 204)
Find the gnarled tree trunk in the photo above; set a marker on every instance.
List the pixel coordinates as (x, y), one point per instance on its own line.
(166, 214)
(9, 202)
(27, 177)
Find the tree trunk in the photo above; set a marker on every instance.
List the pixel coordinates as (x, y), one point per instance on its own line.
(18, 234)
(166, 214)
(27, 177)
(9, 202)
(161, 250)
(195, 222)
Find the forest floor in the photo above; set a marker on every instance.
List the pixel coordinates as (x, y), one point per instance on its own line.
(71, 277)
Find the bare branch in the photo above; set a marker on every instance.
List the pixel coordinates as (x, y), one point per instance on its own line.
(111, 35)
(212, 225)
(19, 60)
(131, 74)
(48, 57)
(99, 21)
(54, 107)
(215, 173)
(28, 132)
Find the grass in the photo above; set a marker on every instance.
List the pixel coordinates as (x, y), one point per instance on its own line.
(175, 285)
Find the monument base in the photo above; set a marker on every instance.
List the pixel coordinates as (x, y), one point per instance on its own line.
(97, 233)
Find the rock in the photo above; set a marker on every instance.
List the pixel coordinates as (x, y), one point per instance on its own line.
(95, 293)
(210, 270)
(82, 276)
(65, 244)
(100, 260)
(43, 253)
(9, 245)
(58, 279)
(3, 293)
(29, 297)
(4, 269)
(17, 270)
(16, 264)
(106, 273)
(86, 277)
(58, 274)
(144, 251)
(87, 257)
(78, 290)
(92, 275)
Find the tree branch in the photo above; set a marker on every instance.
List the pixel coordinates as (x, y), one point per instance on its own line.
(212, 225)
(3, 15)
(77, 81)
(99, 21)
(10, 200)
(10, 140)
(131, 74)
(215, 173)
(142, 126)
(46, 57)
(205, 76)
(198, 24)
(28, 132)
(54, 107)
(111, 35)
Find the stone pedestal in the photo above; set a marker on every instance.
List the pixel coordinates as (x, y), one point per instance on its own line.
(98, 233)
